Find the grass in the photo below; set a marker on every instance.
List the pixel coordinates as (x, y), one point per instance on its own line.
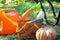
(21, 8)
(9, 37)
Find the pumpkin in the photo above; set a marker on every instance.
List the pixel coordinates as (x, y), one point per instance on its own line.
(46, 34)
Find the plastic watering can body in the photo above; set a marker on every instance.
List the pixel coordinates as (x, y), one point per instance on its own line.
(9, 22)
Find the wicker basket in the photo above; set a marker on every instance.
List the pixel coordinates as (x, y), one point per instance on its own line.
(28, 31)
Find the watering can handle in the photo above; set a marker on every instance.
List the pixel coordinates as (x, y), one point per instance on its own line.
(8, 9)
(11, 9)
(5, 18)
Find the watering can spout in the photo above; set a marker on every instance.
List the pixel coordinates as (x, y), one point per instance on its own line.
(37, 7)
(27, 13)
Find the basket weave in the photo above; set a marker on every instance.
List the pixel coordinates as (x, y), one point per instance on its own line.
(29, 31)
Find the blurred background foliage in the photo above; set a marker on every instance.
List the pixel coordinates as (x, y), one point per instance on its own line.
(22, 5)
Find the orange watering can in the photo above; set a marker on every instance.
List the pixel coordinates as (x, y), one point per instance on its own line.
(8, 20)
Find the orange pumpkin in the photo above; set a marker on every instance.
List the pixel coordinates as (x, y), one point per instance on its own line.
(46, 34)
